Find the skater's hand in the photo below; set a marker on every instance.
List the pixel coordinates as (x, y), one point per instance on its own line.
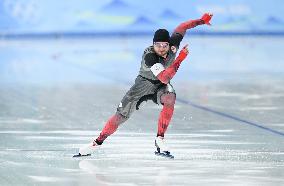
(206, 18)
(183, 53)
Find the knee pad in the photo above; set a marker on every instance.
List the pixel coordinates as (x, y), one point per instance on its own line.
(165, 90)
(168, 99)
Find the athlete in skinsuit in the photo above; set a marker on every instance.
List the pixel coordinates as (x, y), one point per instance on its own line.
(159, 65)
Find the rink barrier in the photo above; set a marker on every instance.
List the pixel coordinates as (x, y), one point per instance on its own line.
(82, 35)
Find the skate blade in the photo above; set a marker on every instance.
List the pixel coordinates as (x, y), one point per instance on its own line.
(79, 155)
(166, 155)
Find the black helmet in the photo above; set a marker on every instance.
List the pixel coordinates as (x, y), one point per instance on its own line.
(161, 35)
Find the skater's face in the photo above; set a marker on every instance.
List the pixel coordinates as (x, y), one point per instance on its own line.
(161, 48)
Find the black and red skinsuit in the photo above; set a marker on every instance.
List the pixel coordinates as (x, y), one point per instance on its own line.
(152, 83)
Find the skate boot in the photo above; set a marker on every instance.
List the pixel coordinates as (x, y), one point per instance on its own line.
(162, 149)
(88, 149)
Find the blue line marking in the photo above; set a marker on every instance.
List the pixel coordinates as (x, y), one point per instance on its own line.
(127, 83)
(230, 116)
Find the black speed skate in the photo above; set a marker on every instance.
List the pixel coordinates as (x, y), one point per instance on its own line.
(87, 150)
(80, 155)
(162, 149)
(164, 154)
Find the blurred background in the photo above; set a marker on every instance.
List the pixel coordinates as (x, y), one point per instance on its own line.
(126, 16)
(67, 39)
(40, 38)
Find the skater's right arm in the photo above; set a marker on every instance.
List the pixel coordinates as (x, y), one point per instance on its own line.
(167, 74)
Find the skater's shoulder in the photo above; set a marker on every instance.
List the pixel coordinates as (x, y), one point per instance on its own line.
(151, 59)
(149, 49)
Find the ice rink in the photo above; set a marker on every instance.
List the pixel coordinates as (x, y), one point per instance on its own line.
(227, 129)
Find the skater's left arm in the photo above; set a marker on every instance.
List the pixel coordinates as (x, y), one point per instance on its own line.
(181, 29)
(205, 19)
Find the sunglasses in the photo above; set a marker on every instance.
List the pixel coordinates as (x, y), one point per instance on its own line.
(161, 45)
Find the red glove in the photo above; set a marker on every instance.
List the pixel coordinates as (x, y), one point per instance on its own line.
(206, 18)
(183, 53)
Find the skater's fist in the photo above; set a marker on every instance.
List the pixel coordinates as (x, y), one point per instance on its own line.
(185, 49)
(184, 52)
(206, 18)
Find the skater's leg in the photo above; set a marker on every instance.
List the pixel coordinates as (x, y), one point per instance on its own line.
(168, 101)
(129, 103)
(126, 107)
(110, 127)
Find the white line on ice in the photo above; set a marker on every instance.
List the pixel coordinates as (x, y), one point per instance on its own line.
(46, 179)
